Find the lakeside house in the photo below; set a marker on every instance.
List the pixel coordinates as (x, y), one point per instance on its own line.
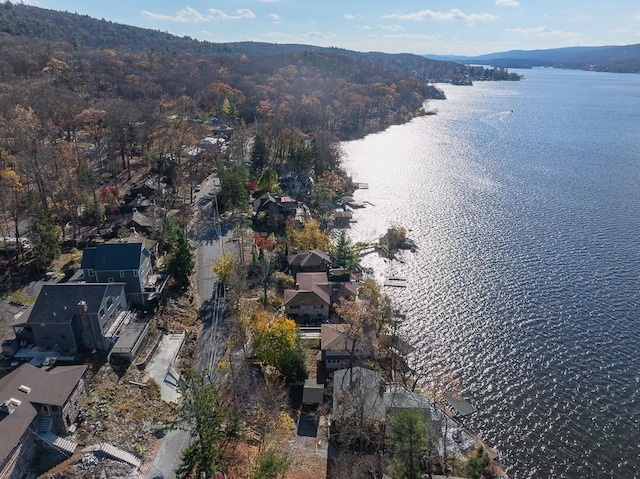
(340, 346)
(311, 300)
(311, 261)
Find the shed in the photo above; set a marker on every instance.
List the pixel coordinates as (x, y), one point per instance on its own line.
(313, 392)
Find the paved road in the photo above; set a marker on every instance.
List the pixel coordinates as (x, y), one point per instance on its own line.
(211, 240)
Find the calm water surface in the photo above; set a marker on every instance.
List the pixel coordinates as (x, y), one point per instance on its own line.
(524, 200)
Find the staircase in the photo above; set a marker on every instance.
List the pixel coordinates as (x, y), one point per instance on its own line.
(65, 445)
(115, 453)
(45, 425)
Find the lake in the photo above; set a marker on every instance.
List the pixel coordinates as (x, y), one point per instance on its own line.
(524, 201)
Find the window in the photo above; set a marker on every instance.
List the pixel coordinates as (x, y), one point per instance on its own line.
(111, 280)
(121, 274)
(91, 272)
(109, 302)
(135, 273)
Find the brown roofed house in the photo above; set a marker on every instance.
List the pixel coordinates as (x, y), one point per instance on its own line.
(312, 261)
(342, 345)
(311, 300)
(37, 404)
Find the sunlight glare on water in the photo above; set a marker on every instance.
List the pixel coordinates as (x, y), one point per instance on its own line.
(524, 200)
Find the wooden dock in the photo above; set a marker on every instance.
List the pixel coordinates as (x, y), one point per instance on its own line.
(396, 282)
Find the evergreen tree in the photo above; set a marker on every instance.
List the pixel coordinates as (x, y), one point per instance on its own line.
(45, 240)
(233, 179)
(259, 154)
(271, 466)
(408, 438)
(201, 412)
(181, 261)
(345, 253)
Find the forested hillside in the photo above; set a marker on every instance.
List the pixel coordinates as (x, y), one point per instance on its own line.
(80, 98)
(345, 93)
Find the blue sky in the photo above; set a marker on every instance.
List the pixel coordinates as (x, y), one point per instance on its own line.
(461, 27)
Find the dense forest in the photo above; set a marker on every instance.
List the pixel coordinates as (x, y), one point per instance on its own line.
(80, 98)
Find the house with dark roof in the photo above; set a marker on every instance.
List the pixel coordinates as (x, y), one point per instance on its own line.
(271, 212)
(124, 262)
(312, 261)
(71, 317)
(135, 203)
(310, 302)
(149, 188)
(140, 222)
(37, 405)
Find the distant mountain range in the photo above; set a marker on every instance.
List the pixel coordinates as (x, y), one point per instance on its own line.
(618, 59)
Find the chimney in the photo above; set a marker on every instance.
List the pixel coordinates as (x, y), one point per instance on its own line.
(10, 405)
(82, 307)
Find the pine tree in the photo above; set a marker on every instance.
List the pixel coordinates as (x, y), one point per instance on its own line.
(408, 438)
(345, 253)
(181, 261)
(45, 241)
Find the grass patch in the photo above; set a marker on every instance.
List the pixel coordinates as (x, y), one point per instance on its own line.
(21, 297)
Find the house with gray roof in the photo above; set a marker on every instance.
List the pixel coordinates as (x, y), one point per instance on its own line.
(71, 317)
(37, 405)
(124, 262)
(363, 397)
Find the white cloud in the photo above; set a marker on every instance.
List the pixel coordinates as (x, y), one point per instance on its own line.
(318, 35)
(507, 3)
(186, 15)
(241, 13)
(351, 16)
(543, 32)
(274, 17)
(277, 35)
(392, 28)
(453, 14)
(412, 36)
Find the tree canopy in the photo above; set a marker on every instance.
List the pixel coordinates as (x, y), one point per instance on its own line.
(202, 413)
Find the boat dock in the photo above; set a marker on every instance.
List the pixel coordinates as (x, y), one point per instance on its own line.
(396, 282)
